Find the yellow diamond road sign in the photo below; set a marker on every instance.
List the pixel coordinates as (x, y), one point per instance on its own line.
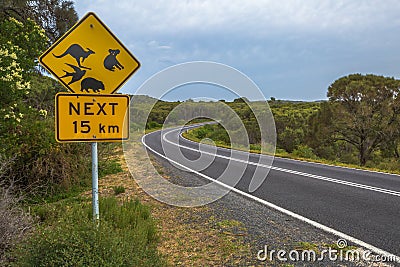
(91, 117)
(90, 59)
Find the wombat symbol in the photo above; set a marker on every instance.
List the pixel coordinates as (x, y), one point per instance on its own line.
(77, 52)
(91, 83)
(111, 61)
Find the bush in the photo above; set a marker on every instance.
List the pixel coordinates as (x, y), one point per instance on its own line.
(126, 236)
(255, 147)
(119, 189)
(392, 165)
(47, 166)
(15, 223)
(304, 151)
(109, 166)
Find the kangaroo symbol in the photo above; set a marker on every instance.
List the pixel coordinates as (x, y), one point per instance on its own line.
(76, 76)
(77, 52)
(111, 61)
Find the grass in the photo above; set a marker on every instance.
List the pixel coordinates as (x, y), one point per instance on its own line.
(306, 246)
(334, 246)
(111, 166)
(106, 167)
(119, 189)
(232, 227)
(126, 236)
(65, 234)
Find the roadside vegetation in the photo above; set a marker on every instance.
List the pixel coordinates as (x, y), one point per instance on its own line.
(126, 236)
(45, 200)
(357, 127)
(44, 218)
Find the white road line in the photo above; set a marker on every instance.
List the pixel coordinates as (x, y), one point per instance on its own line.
(304, 174)
(298, 160)
(283, 210)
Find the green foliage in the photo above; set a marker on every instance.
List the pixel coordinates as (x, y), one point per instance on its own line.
(126, 236)
(292, 121)
(119, 189)
(20, 44)
(316, 130)
(153, 125)
(290, 138)
(26, 114)
(54, 16)
(213, 131)
(303, 151)
(41, 162)
(42, 93)
(110, 166)
(365, 112)
(159, 113)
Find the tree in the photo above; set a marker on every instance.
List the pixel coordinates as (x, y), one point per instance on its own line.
(320, 134)
(54, 16)
(365, 110)
(241, 100)
(20, 45)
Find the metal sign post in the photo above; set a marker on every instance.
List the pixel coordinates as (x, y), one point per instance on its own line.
(95, 184)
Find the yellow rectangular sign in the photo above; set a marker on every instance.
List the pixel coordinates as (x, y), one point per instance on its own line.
(91, 117)
(89, 58)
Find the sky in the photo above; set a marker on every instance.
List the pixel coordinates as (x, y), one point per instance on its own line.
(292, 49)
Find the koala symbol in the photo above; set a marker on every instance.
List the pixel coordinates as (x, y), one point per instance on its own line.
(111, 61)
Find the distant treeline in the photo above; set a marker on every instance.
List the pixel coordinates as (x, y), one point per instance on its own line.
(359, 124)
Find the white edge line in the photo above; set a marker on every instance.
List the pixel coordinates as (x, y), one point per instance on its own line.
(304, 174)
(283, 210)
(303, 161)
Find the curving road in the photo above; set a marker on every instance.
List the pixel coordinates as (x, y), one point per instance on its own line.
(361, 206)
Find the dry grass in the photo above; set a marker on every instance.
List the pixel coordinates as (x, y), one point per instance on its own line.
(188, 236)
(15, 223)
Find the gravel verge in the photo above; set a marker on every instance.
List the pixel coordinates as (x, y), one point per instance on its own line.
(260, 226)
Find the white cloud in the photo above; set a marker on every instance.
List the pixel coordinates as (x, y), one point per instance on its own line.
(295, 48)
(251, 17)
(154, 44)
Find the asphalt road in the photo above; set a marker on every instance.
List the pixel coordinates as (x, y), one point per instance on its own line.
(361, 204)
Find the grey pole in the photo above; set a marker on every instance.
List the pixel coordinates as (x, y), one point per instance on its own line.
(95, 183)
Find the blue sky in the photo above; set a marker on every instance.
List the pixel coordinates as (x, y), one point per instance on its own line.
(292, 49)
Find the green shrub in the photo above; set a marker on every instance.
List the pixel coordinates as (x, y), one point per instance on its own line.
(392, 165)
(153, 125)
(255, 147)
(119, 189)
(39, 162)
(280, 152)
(110, 166)
(126, 236)
(304, 151)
